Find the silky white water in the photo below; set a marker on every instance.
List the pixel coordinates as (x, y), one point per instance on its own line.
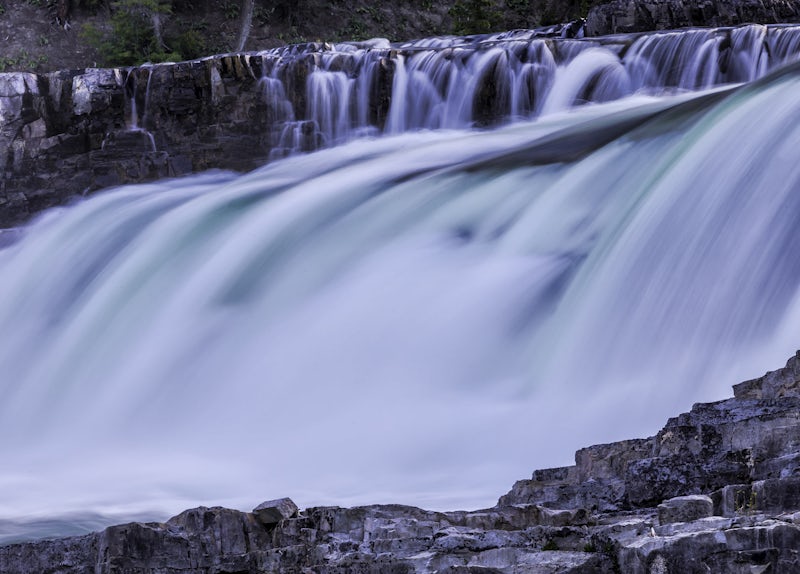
(421, 319)
(353, 89)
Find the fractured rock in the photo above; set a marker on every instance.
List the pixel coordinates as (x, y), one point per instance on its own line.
(273, 511)
(685, 509)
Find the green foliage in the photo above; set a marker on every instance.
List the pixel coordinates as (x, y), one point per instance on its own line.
(132, 39)
(354, 30)
(23, 60)
(190, 44)
(263, 15)
(230, 8)
(293, 36)
(475, 17)
(744, 504)
(550, 545)
(519, 14)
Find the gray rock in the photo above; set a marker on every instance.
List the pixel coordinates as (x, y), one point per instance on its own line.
(784, 382)
(731, 442)
(685, 509)
(776, 495)
(273, 511)
(711, 523)
(768, 546)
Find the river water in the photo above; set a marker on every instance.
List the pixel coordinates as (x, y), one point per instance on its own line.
(420, 318)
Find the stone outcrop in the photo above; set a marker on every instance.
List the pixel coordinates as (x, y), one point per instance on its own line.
(717, 490)
(624, 16)
(751, 437)
(68, 133)
(273, 511)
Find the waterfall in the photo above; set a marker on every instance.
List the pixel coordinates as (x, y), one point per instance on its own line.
(133, 124)
(420, 318)
(494, 79)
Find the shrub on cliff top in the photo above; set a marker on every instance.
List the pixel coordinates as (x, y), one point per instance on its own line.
(475, 17)
(135, 35)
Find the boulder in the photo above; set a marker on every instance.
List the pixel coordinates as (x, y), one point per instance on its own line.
(273, 511)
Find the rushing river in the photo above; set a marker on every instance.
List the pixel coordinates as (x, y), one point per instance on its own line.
(419, 318)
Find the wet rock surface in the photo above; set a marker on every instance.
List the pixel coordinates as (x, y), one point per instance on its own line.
(717, 490)
(66, 134)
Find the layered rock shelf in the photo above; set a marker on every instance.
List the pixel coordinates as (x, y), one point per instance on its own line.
(716, 490)
(69, 133)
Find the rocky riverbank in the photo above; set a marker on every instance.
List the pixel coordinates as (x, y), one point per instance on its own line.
(716, 490)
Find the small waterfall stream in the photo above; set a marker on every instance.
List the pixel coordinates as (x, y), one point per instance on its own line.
(422, 317)
(138, 123)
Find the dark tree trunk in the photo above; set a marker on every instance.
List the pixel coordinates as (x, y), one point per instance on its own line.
(62, 13)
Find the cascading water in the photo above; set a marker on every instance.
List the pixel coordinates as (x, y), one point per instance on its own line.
(135, 124)
(421, 318)
(493, 79)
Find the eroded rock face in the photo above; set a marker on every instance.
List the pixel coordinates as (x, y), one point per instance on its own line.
(717, 490)
(623, 16)
(366, 539)
(68, 133)
(685, 509)
(751, 437)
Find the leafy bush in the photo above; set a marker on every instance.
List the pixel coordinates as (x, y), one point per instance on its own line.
(133, 38)
(23, 60)
(190, 44)
(550, 545)
(475, 17)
